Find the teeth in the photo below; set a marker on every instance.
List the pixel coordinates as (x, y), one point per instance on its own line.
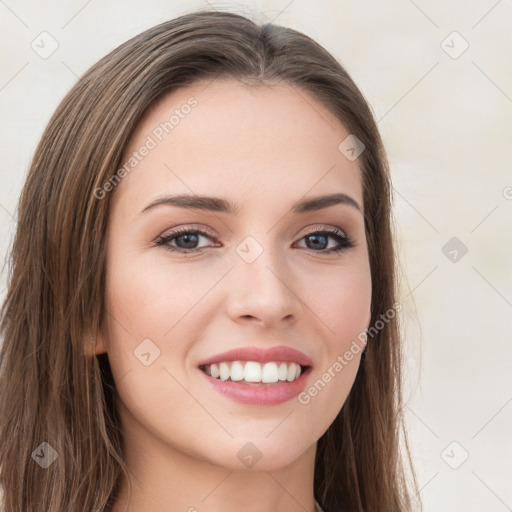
(270, 373)
(224, 371)
(283, 371)
(214, 371)
(237, 371)
(252, 371)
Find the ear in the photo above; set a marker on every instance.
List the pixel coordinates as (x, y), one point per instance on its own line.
(100, 346)
(95, 345)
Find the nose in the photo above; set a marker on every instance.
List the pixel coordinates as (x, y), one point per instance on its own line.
(264, 291)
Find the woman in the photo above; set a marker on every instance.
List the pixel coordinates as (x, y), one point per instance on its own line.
(201, 312)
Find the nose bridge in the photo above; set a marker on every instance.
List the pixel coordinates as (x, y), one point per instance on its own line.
(263, 284)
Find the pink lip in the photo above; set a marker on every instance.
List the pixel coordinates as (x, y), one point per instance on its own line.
(260, 394)
(261, 355)
(254, 394)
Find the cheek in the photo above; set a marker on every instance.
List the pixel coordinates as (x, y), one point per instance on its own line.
(341, 302)
(148, 306)
(352, 314)
(152, 300)
(343, 310)
(148, 300)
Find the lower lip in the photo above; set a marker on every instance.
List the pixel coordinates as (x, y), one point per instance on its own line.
(265, 394)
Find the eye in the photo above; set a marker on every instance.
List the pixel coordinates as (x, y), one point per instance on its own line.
(186, 240)
(318, 239)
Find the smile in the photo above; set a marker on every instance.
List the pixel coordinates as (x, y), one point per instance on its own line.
(258, 376)
(254, 372)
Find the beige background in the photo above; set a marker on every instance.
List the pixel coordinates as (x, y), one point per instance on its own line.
(445, 117)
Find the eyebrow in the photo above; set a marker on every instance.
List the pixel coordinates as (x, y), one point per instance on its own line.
(217, 204)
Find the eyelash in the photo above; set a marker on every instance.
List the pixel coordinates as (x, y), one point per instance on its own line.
(345, 241)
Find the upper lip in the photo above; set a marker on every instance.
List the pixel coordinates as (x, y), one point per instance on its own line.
(262, 355)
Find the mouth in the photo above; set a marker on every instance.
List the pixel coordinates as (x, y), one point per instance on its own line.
(254, 391)
(254, 373)
(258, 376)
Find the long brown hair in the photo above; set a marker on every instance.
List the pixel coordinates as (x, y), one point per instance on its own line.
(53, 389)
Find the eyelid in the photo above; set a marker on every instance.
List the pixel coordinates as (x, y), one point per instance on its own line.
(196, 227)
(186, 228)
(332, 231)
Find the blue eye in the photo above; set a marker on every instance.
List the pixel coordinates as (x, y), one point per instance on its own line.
(321, 238)
(186, 240)
(185, 236)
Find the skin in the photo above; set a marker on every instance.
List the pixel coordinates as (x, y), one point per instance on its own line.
(262, 148)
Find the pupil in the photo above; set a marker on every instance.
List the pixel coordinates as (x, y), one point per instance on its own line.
(315, 238)
(193, 241)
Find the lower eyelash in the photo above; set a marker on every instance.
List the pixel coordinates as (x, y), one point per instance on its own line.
(345, 241)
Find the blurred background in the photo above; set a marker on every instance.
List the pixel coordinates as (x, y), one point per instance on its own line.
(438, 76)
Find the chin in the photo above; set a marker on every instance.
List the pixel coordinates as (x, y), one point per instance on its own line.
(260, 454)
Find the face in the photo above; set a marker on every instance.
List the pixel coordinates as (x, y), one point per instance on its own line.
(263, 284)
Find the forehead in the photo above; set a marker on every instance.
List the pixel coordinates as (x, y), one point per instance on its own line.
(227, 137)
